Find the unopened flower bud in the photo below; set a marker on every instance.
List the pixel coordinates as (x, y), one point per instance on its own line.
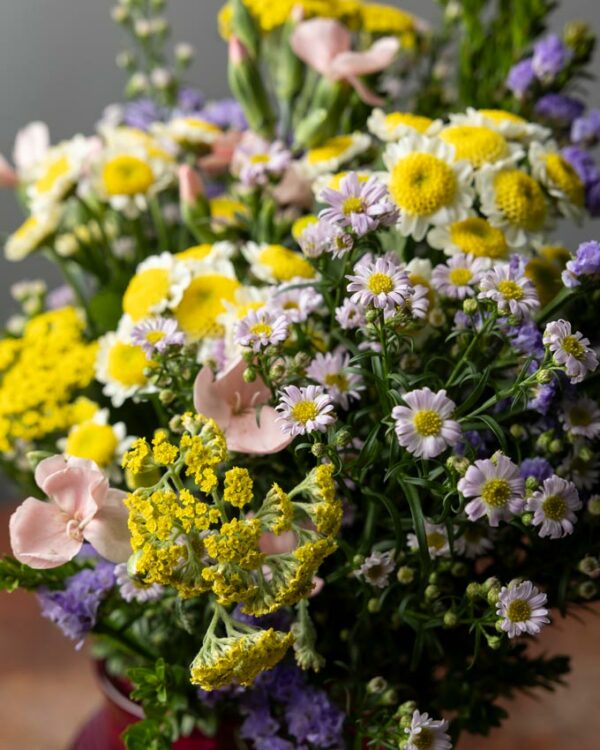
(593, 505)
(527, 518)
(344, 634)
(405, 575)
(249, 375)
(119, 14)
(450, 619)
(543, 376)
(138, 84)
(372, 315)
(319, 450)
(161, 78)
(407, 709)
(494, 642)
(432, 592)
(374, 606)
(436, 317)
(125, 60)
(389, 698)
(343, 438)
(517, 431)
(377, 685)
(531, 484)
(459, 569)
(585, 454)
(184, 53)
(166, 396)
(589, 566)
(473, 590)
(470, 306)
(277, 371)
(459, 464)
(556, 446)
(587, 590)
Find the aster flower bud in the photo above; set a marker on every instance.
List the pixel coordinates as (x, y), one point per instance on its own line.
(389, 698)
(343, 438)
(137, 84)
(161, 78)
(531, 484)
(459, 464)
(556, 446)
(494, 642)
(473, 590)
(587, 590)
(374, 606)
(319, 450)
(405, 575)
(249, 375)
(589, 566)
(184, 53)
(585, 454)
(517, 431)
(377, 685)
(470, 306)
(166, 396)
(594, 505)
(527, 519)
(459, 569)
(450, 619)
(432, 592)
(125, 60)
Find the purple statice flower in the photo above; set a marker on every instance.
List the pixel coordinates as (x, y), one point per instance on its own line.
(261, 328)
(583, 163)
(325, 237)
(226, 113)
(312, 717)
(74, 609)
(537, 467)
(360, 206)
(142, 113)
(559, 108)
(586, 129)
(585, 263)
(474, 441)
(526, 338)
(520, 77)
(550, 57)
(157, 335)
(380, 283)
(256, 160)
(523, 609)
(304, 410)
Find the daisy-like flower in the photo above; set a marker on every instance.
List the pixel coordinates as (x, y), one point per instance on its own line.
(189, 132)
(255, 160)
(275, 264)
(33, 233)
(261, 328)
(427, 184)
(554, 506)
(570, 350)
(96, 439)
(393, 126)
(523, 609)
(380, 283)
(474, 236)
(513, 201)
(57, 173)
(457, 278)
(552, 170)
(158, 284)
(324, 237)
(296, 304)
(473, 542)
(479, 145)
(425, 427)
(332, 154)
(361, 206)
(508, 124)
(350, 315)
(377, 568)
(581, 417)
(427, 734)
(512, 291)
(132, 591)
(157, 335)
(585, 474)
(332, 181)
(437, 540)
(331, 371)
(199, 258)
(497, 489)
(305, 410)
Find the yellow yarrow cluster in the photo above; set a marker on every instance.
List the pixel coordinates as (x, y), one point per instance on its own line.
(202, 453)
(238, 487)
(39, 375)
(236, 542)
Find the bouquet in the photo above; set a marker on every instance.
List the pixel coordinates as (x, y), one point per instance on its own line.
(309, 432)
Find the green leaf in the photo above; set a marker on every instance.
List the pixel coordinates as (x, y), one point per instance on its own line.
(105, 309)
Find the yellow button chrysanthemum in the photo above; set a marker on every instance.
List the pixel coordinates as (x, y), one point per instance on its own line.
(127, 175)
(146, 290)
(96, 442)
(416, 122)
(477, 144)
(332, 149)
(562, 176)
(477, 237)
(421, 184)
(55, 170)
(285, 264)
(520, 198)
(127, 363)
(203, 302)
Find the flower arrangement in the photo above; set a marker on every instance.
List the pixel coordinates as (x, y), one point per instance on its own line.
(309, 431)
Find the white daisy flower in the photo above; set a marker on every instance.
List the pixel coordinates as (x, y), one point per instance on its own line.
(570, 350)
(427, 734)
(393, 126)
(377, 568)
(427, 184)
(554, 506)
(188, 132)
(333, 180)
(332, 154)
(261, 328)
(523, 609)
(473, 235)
(496, 487)
(457, 278)
(331, 371)
(581, 417)
(33, 233)
(58, 172)
(425, 427)
(275, 264)
(305, 410)
(296, 304)
(473, 542)
(513, 293)
(437, 540)
(508, 124)
(556, 174)
(158, 285)
(585, 475)
(480, 145)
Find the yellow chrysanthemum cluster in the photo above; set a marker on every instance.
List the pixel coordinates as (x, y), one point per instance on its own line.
(40, 373)
(270, 15)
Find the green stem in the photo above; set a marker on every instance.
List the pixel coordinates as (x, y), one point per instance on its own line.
(159, 223)
(75, 284)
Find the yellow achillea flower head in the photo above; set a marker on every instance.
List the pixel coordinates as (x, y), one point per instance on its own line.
(277, 511)
(238, 487)
(164, 452)
(237, 542)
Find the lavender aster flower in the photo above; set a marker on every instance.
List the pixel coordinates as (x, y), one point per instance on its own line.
(592, 198)
(437, 540)
(305, 410)
(512, 291)
(381, 283)
(456, 278)
(537, 467)
(296, 304)
(543, 398)
(581, 417)
(570, 350)
(74, 609)
(496, 488)
(550, 56)
(424, 427)
(586, 129)
(427, 733)
(131, 590)
(226, 113)
(256, 160)
(190, 101)
(559, 108)
(324, 237)
(143, 113)
(522, 609)
(350, 315)
(554, 506)
(157, 335)
(520, 77)
(261, 328)
(331, 371)
(363, 206)
(585, 263)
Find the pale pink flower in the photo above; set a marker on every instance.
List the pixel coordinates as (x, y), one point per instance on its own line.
(571, 350)
(31, 144)
(522, 609)
(82, 507)
(425, 427)
(240, 409)
(221, 153)
(191, 186)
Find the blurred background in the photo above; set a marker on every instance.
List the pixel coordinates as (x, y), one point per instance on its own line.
(57, 63)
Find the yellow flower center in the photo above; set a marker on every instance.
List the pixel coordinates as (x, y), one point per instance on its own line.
(477, 237)
(226, 209)
(416, 122)
(562, 175)
(554, 508)
(259, 159)
(304, 411)
(285, 264)
(57, 169)
(331, 149)
(127, 175)
(153, 337)
(460, 276)
(337, 380)
(579, 416)
(500, 115)
(352, 205)
(573, 346)
(520, 198)
(28, 226)
(203, 302)
(495, 492)
(424, 739)
(96, 442)
(380, 283)
(261, 329)
(126, 364)
(435, 540)
(510, 289)
(146, 289)
(301, 224)
(422, 184)
(518, 611)
(427, 422)
(478, 145)
(197, 252)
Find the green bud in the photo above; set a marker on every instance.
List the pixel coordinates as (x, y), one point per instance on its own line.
(473, 590)
(377, 685)
(344, 635)
(166, 397)
(492, 596)
(517, 431)
(432, 592)
(556, 446)
(587, 590)
(343, 438)
(490, 583)
(405, 575)
(581, 39)
(544, 440)
(593, 505)
(585, 454)
(245, 28)
(470, 306)
(319, 450)
(433, 578)
(302, 360)
(450, 619)
(406, 710)
(277, 371)
(459, 464)
(246, 84)
(36, 457)
(459, 569)
(358, 560)
(494, 642)
(531, 484)
(372, 315)
(543, 376)
(374, 606)
(589, 566)
(389, 698)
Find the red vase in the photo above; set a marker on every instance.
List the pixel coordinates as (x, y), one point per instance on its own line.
(103, 731)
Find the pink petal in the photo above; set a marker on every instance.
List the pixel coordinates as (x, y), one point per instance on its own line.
(373, 60)
(47, 468)
(8, 176)
(75, 490)
(245, 435)
(191, 186)
(107, 532)
(31, 144)
(365, 93)
(318, 584)
(232, 382)
(281, 544)
(208, 400)
(38, 535)
(294, 189)
(319, 41)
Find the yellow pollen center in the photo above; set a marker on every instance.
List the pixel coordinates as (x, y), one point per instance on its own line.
(203, 302)
(337, 380)
(460, 276)
(562, 175)
(259, 159)
(153, 337)
(579, 416)
(495, 493)
(57, 169)
(96, 442)
(573, 346)
(478, 145)
(417, 122)
(285, 264)
(477, 237)
(422, 184)
(520, 198)
(510, 289)
(127, 175)
(435, 540)
(554, 507)
(352, 206)
(518, 611)
(197, 252)
(304, 411)
(424, 739)
(380, 283)
(261, 329)
(332, 149)
(146, 289)
(126, 364)
(427, 422)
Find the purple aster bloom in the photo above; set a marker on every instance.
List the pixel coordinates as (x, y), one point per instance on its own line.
(522, 609)
(142, 113)
(537, 467)
(261, 328)
(131, 590)
(526, 338)
(554, 507)
(255, 160)
(296, 304)
(586, 129)
(550, 56)
(350, 315)
(510, 289)
(520, 77)
(544, 396)
(157, 335)
(226, 113)
(325, 237)
(362, 206)
(304, 410)
(74, 609)
(190, 101)
(559, 108)
(585, 263)
(583, 163)
(331, 370)
(381, 283)
(496, 487)
(570, 350)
